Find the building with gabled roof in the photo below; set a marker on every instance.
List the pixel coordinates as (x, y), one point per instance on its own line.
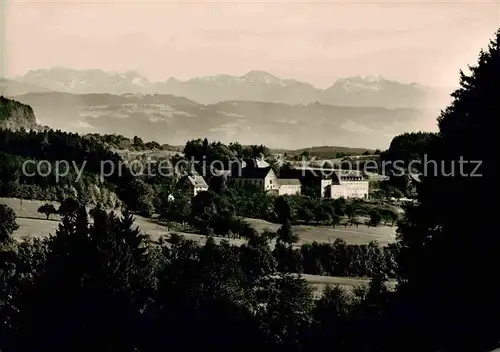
(193, 184)
(263, 178)
(330, 183)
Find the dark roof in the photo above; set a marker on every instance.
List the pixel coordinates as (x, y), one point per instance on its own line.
(248, 172)
(349, 175)
(351, 178)
(301, 174)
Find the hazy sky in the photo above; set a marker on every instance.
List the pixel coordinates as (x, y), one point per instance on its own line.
(425, 42)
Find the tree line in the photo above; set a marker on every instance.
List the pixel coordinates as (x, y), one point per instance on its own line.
(144, 194)
(330, 259)
(253, 203)
(134, 144)
(84, 153)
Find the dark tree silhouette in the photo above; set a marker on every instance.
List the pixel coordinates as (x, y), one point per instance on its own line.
(8, 223)
(375, 218)
(443, 241)
(47, 209)
(69, 207)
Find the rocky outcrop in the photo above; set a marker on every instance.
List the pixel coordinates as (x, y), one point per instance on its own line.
(15, 115)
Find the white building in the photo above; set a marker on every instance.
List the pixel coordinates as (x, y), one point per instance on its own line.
(263, 178)
(349, 184)
(194, 184)
(289, 186)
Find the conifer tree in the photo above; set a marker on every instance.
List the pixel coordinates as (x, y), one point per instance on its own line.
(8, 224)
(451, 236)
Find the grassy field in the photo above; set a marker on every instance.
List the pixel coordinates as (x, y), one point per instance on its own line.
(320, 282)
(32, 223)
(351, 234)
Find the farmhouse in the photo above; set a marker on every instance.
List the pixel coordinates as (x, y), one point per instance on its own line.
(193, 184)
(349, 184)
(263, 178)
(289, 186)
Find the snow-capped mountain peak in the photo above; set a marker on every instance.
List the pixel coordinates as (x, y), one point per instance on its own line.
(255, 85)
(256, 76)
(87, 81)
(219, 79)
(357, 83)
(372, 78)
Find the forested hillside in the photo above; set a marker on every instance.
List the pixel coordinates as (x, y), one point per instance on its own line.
(14, 115)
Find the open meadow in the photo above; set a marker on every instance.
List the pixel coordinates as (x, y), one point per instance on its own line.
(33, 224)
(351, 234)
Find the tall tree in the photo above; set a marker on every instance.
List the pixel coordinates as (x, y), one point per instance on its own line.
(8, 223)
(284, 215)
(93, 288)
(443, 239)
(288, 299)
(69, 207)
(47, 209)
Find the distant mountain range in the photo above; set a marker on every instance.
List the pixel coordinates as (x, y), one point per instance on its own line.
(173, 120)
(255, 108)
(372, 91)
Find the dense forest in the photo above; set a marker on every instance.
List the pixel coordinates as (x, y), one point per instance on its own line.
(98, 283)
(104, 286)
(135, 144)
(45, 150)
